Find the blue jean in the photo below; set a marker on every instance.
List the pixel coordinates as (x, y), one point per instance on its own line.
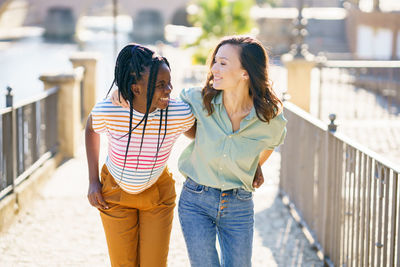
(205, 213)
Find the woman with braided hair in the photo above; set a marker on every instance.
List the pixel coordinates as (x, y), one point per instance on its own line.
(239, 123)
(135, 193)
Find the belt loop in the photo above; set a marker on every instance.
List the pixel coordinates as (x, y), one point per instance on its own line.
(206, 188)
(235, 191)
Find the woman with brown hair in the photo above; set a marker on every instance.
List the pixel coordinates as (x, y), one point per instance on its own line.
(239, 123)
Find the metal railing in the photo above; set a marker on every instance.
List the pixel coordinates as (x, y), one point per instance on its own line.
(346, 195)
(28, 137)
(311, 3)
(337, 78)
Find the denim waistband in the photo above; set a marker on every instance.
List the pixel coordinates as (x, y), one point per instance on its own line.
(207, 188)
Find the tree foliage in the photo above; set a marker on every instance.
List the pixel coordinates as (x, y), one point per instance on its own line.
(218, 18)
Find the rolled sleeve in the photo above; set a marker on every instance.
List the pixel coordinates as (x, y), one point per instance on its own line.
(278, 131)
(98, 122)
(278, 141)
(192, 97)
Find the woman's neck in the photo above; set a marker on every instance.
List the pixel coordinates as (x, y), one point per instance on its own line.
(237, 101)
(140, 106)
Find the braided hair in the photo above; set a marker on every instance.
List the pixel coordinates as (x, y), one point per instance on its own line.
(129, 68)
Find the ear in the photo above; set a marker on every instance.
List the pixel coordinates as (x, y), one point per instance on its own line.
(135, 89)
(245, 75)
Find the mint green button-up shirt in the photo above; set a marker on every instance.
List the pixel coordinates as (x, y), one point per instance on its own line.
(221, 158)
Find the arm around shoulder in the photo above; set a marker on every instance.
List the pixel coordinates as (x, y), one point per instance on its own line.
(191, 133)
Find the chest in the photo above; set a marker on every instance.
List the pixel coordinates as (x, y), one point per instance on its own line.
(236, 119)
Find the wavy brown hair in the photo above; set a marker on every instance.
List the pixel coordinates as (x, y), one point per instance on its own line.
(254, 60)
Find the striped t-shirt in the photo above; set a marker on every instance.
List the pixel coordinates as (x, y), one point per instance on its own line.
(141, 169)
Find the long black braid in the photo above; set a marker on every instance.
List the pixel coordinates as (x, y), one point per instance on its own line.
(131, 63)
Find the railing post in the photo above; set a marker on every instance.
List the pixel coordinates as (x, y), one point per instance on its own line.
(9, 103)
(9, 97)
(299, 80)
(89, 62)
(69, 109)
(332, 126)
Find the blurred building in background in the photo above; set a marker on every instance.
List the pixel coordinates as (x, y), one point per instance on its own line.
(338, 29)
(60, 18)
(353, 29)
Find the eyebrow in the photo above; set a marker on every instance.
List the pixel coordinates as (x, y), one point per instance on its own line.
(161, 81)
(222, 58)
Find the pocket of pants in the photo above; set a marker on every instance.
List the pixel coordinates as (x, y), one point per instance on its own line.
(150, 197)
(167, 192)
(192, 186)
(244, 195)
(103, 174)
(109, 186)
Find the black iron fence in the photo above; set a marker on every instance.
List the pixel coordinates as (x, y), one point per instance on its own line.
(347, 196)
(28, 137)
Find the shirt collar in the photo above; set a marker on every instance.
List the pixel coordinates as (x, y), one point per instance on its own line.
(217, 99)
(252, 114)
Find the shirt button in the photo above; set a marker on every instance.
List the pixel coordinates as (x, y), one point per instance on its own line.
(220, 169)
(230, 136)
(224, 155)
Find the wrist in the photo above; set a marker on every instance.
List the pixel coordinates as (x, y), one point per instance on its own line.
(94, 179)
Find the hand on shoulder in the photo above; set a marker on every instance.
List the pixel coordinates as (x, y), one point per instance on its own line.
(118, 100)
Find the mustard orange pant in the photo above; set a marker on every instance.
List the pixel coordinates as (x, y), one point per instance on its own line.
(138, 226)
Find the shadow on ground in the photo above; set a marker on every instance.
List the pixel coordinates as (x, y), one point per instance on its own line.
(283, 236)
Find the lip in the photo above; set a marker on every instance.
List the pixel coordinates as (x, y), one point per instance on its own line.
(217, 79)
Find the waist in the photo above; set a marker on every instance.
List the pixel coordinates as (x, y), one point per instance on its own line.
(232, 191)
(135, 181)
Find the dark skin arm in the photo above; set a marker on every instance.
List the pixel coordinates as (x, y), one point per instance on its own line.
(259, 177)
(191, 133)
(92, 143)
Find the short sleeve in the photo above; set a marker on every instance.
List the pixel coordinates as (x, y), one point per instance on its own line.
(192, 97)
(188, 117)
(98, 122)
(280, 140)
(186, 95)
(279, 132)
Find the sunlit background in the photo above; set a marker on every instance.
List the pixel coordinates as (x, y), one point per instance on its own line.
(338, 60)
(33, 33)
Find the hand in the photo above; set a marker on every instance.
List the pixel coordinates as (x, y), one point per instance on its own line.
(258, 177)
(95, 197)
(118, 100)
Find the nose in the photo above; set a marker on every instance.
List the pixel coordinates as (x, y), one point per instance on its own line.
(214, 68)
(168, 88)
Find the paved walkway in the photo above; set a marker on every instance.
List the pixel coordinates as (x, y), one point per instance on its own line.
(62, 229)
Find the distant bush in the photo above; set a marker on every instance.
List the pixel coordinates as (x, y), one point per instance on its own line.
(218, 18)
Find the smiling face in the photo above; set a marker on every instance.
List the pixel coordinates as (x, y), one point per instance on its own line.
(227, 70)
(162, 90)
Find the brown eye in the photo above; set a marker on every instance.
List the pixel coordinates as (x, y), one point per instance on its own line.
(160, 85)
